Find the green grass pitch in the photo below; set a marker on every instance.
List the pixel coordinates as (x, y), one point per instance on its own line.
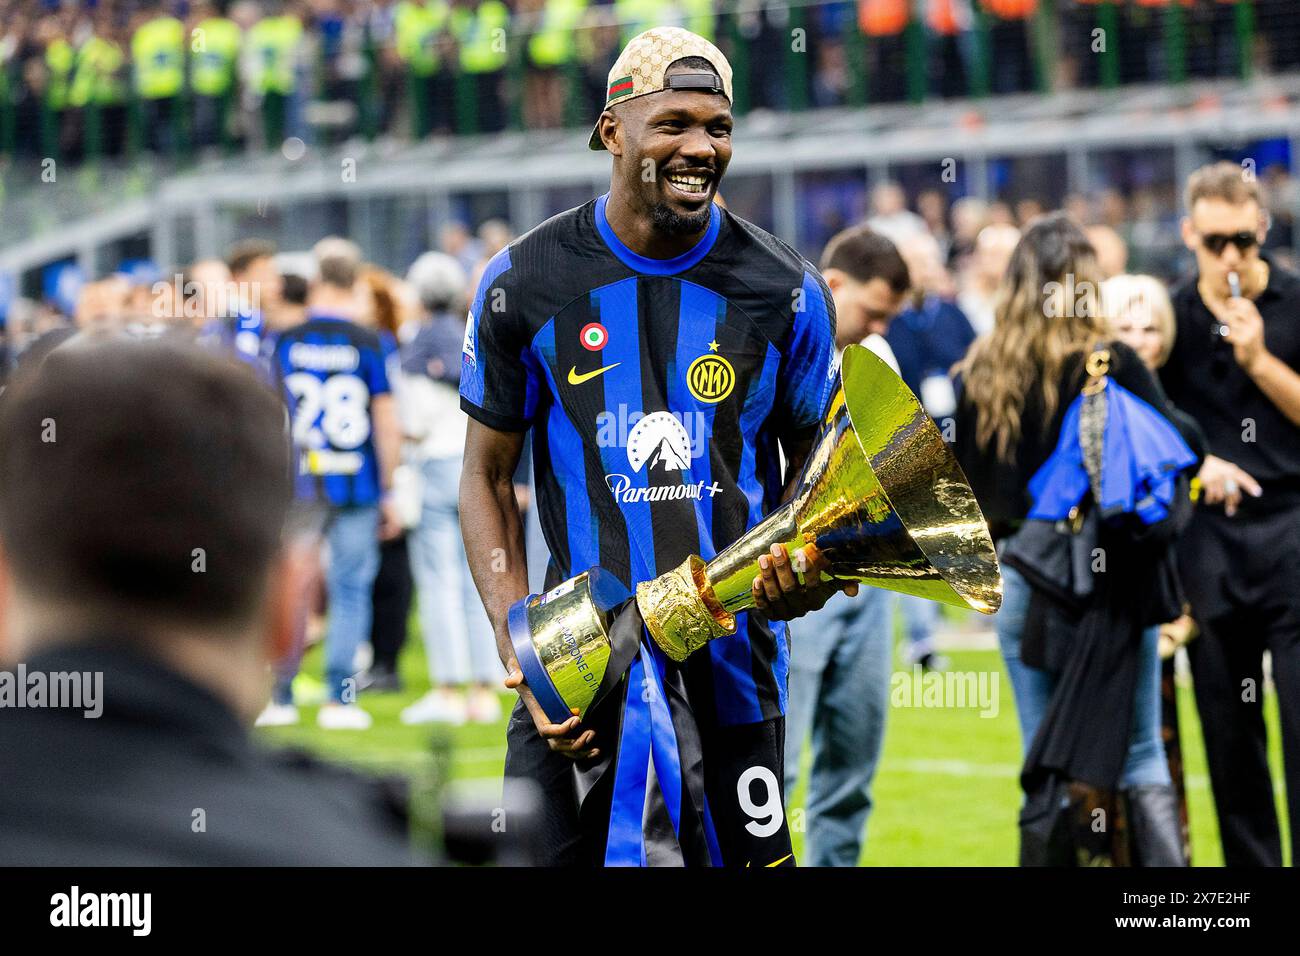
(946, 792)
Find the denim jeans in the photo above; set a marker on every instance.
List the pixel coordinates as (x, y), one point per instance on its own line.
(353, 538)
(921, 619)
(840, 665)
(458, 638)
(1145, 764)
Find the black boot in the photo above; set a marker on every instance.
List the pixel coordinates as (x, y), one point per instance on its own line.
(1155, 826)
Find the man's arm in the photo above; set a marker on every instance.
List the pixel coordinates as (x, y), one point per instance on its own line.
(388, 437)
(1280, 383)
(388, 452)
(494, 544)
(1277, 380)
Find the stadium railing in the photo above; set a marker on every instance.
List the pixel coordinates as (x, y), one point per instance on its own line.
(787, 57)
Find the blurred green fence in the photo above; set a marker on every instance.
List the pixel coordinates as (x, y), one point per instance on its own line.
(476, 67)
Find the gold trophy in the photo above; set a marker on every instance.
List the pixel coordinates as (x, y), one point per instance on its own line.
(881, 501)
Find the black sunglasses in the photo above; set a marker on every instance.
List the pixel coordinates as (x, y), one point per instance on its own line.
(1216, 242)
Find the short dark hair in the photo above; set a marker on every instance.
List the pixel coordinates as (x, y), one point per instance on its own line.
(693, 63)
(293, 288)
(247, 251)
(147, 481)
(865, 255)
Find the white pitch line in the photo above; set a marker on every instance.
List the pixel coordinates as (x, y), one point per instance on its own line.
(922, 766)
(951, 768)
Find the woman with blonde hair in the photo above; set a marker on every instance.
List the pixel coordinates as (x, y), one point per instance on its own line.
(1079, 666)
(1141, 316)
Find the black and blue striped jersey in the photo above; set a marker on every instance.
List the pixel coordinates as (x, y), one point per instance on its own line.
(657, 392)
(331, 369)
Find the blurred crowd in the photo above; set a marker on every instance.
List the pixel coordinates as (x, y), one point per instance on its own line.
(117, 76)
(243, 305)
(1133, 444)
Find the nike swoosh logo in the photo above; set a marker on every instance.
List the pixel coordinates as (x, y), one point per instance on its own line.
(576, 379)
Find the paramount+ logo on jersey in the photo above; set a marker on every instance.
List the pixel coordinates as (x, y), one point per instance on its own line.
(658, 443)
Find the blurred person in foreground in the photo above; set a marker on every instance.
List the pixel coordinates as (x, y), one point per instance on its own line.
(1233, 368)
(460, 650)
(347, 442)
(1077, 650)
(160, 571)
(841, 658)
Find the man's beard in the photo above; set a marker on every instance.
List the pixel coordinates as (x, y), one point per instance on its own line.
(670, 222)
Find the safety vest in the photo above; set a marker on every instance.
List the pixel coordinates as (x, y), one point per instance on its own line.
(1011, 9)
(883, 18)
(637, 16)
(97, 78)
(59, 58)
(214, 52)
(158, 53)
(481, 34)
(553, 43)
(417, 27)
(274, 42)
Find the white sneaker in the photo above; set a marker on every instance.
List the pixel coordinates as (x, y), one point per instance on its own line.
(437, 707)
(484, 707)
(342, 717)
(277, 715)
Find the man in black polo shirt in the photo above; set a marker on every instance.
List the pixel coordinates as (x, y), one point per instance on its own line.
(1233, 369)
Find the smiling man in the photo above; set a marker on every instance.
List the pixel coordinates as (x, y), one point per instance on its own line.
(712, 341)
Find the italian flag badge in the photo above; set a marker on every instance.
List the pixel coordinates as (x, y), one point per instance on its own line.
(593, 336)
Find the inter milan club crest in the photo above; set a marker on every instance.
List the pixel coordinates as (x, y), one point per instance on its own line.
(710, 377)
(593, 336)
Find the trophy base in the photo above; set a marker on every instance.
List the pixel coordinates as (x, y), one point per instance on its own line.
(681, 612)
(535, 676)
(562, 642)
